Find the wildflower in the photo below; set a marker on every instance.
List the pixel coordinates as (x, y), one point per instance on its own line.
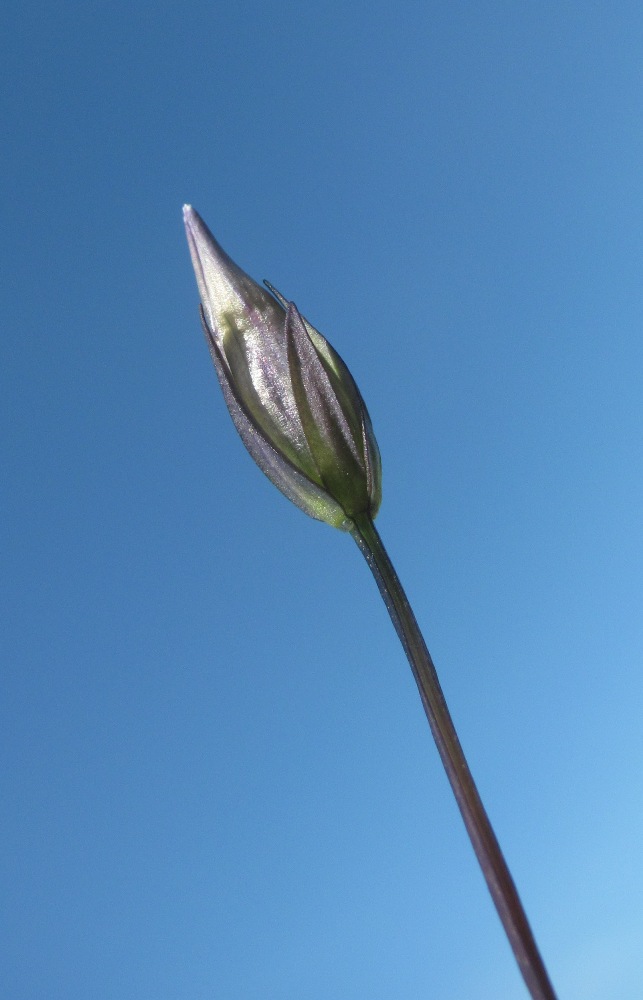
(291, 397)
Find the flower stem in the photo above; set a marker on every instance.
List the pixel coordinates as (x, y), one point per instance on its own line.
(494, 867)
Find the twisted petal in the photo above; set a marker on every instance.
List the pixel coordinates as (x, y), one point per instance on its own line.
(352, 405)
(336, 446)
(303, 492)
(248, 326)
(354, 408)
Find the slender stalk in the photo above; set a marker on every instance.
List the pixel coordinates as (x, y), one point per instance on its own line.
(494, 867)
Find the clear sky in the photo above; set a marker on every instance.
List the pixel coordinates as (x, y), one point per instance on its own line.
(217, 781)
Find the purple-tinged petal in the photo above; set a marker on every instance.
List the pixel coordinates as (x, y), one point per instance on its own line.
(307, 495)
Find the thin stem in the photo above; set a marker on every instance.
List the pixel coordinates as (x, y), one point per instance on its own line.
(494, 867)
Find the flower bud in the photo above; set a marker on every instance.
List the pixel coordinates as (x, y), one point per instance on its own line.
(291, 397)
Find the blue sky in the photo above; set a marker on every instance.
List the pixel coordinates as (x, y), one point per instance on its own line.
(217, 779)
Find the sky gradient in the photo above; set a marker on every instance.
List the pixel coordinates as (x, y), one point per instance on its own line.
(217, 779)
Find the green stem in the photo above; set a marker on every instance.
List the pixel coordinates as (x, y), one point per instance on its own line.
(494, 867)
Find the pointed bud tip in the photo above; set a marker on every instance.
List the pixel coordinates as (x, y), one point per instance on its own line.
(197, 231)
(190, 217)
